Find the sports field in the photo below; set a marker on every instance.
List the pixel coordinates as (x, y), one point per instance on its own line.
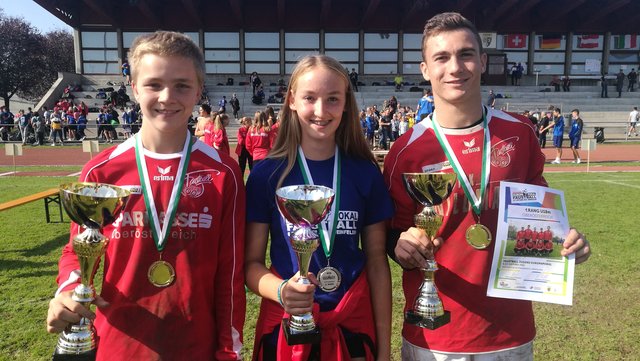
(603, 323)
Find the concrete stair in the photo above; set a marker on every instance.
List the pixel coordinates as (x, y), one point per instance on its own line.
(611, 113)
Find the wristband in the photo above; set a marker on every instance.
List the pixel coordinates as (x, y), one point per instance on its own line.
(280, 291)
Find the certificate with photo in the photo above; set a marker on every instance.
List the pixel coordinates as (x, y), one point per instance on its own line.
(527, 265)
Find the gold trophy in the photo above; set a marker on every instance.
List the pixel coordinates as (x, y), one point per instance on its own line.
(92, 206)
(430, 190)
(304, 206)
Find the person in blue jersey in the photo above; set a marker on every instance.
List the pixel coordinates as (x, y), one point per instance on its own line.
(557, 122)
(425, 106)
(575, 134)
(320, 142)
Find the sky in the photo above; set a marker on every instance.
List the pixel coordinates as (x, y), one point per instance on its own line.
(33, 14)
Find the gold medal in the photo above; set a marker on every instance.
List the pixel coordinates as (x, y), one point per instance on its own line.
(161, 274)
(329, 279)
(478, 236)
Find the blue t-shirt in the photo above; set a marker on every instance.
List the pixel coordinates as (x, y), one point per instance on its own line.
(364, 200)
(558, 127)
(371, 124)
(576, 129)
(425, 108)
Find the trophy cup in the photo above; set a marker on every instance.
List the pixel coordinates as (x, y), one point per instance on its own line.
(92, 206)
(429, 190)
(304, 206)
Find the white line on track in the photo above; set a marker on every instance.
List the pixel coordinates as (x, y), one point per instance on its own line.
(599, 180)
(7, 173)
(74, 174)
(622, 184)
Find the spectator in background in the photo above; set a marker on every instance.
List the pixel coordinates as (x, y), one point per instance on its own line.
(575, 134)
(235, 105)
(604, 91)
(126, 122)
(519, 72)
(222, 105)
(398, 82)
(244, 158)
(353, 77)
(126, 71)
(81, 126)
(557, 122)
(514, 73)
(403, 126)
(202, 121)
(255, 81)
(23, 125)
(620, 82)
(491, 100)
(39, 128)
(425, 106)
(259, 138)
(56, 129)
(555, 81)
(566, 83)
(532, 119)
(632, 77)
(6, 123)
(634, 116)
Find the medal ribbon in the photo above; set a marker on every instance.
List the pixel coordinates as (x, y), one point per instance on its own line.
(160, 233)
(327, 236)
(462, 176)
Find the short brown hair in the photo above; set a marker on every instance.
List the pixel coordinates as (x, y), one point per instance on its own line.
(166, 43)
(448, 22)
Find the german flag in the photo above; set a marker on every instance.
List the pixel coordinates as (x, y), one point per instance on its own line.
(550, 41)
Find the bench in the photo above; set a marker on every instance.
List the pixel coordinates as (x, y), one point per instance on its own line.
(49, 196)
(379, 156)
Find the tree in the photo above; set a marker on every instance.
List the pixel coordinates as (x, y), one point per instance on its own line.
(29, 61)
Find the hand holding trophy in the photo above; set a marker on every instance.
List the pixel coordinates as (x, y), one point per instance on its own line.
(429, 190)
(92, 206)
(304, 206)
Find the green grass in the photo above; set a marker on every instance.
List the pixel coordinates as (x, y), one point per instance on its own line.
(42, 168)
(603, 323)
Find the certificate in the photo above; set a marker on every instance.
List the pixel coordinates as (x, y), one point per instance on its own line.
(527, 265)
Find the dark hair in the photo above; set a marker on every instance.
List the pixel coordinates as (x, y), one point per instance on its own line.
(448, 22)
(575, 110)
(206, 107)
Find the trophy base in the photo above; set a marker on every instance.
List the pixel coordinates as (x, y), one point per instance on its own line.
(310, 337)
(430, 323)
(86, 356)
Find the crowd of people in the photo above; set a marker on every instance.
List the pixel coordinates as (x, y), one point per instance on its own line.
(212, 234)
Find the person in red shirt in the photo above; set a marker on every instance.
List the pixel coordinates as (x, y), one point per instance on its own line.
(486, 146)
(244, 158)
(528, 233)
(186, 209)
(520, 243)
(259, 137)
(219, 139)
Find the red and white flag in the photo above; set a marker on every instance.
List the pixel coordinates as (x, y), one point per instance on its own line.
(515, 41)
(588, 41)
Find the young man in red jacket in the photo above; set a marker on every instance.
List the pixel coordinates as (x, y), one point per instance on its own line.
(482, 146)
